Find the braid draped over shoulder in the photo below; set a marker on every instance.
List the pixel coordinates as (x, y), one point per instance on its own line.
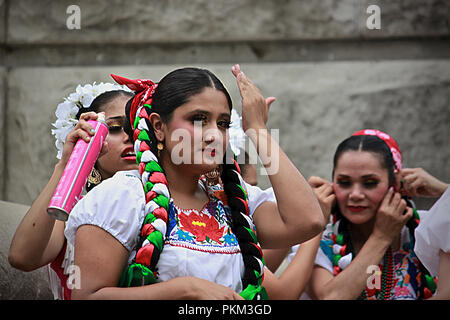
(242, 228)
(142, 270)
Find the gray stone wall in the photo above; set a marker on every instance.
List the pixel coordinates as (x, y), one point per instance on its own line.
(330, 73)
(16, 284)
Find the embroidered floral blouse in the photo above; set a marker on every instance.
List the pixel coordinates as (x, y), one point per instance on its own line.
(198, 243)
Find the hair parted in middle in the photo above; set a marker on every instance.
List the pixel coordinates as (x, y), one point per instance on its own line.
(174, 90)
(377, 146)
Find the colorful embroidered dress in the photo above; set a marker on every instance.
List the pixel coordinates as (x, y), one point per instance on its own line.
(207, 230)
(406, 272)
(198, 243)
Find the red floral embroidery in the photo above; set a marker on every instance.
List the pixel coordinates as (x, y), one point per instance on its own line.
(201, 226)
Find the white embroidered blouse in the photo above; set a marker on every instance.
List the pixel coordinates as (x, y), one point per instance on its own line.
(198, 243)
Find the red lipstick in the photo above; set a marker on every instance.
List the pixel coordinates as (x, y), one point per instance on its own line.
(128, 154)
(356, 208)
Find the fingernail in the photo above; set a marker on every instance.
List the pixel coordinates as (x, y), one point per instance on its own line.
(391, 189)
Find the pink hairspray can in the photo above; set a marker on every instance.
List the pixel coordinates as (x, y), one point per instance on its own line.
(77, 171)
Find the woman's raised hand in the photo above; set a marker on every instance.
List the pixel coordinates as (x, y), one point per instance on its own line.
(324, 192)
(83, 130)
(419, 183)
(392, 215)
(255, 109)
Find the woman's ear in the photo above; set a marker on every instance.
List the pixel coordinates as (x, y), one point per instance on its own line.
(158, 126)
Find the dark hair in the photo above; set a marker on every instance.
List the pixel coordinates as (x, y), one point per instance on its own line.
(371, 144)
(174, 90)
(101, 100)
(377, 146)
(96, 106)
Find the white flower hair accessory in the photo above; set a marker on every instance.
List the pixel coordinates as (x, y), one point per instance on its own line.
(237, 135)
(67, 110)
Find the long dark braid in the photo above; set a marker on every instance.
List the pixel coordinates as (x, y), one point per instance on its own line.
(242, 228)
(172, 91)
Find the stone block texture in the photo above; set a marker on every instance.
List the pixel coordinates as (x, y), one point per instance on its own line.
(221, 20)
(331, 76)
(318, 105)
(16, 284)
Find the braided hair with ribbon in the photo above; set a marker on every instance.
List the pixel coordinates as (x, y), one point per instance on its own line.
(174, 90)
(387, 149)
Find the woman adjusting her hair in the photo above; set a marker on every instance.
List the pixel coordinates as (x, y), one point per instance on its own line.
(367, 250)
(166, 232)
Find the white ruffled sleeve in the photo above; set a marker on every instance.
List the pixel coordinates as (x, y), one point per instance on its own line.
(256, 196)
(433, 233)
(116, 205)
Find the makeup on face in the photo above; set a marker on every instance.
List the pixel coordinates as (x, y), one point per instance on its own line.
(115, 124)
(120, 155)
(203, 121)
(360, 184)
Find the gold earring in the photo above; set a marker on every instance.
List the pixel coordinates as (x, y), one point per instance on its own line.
(159, 146)
(94, 178)
(213, 176)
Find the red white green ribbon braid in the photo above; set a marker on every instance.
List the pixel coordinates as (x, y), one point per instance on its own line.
(151, 239)
(153, 231)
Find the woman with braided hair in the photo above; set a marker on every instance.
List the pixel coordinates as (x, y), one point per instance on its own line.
(164, 232)
(367, 251)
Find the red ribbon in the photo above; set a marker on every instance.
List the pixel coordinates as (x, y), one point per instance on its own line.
(143, 88)
(392, 144)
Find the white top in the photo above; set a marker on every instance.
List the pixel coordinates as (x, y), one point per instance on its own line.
(198, 244)
(433, 233)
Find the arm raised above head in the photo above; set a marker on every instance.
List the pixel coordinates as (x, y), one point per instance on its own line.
(296, 216)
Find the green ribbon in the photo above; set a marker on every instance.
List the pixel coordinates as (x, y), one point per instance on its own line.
(143, 136)
(153, 166)
(157, 239)
(136, 275)
(136, 122)
(255, 239)
(252, 291)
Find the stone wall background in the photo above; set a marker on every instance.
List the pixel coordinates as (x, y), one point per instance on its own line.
(331, 75)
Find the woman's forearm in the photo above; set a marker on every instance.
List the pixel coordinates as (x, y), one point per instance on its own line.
(294, 279)
(349, 284)
(174, 289)
(34, 231)
(298, 206)
(443, 283)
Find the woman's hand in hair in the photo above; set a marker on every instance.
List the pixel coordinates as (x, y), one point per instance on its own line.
(324, 192)
(83, 130)
(419, 183)
(255, 109)
(392, 215)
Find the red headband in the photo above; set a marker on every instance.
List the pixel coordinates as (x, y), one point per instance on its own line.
(144, 90)
(393, 146)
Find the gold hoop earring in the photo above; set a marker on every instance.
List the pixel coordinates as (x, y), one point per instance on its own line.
(94, 178)
(213, 176)
(160, 147)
